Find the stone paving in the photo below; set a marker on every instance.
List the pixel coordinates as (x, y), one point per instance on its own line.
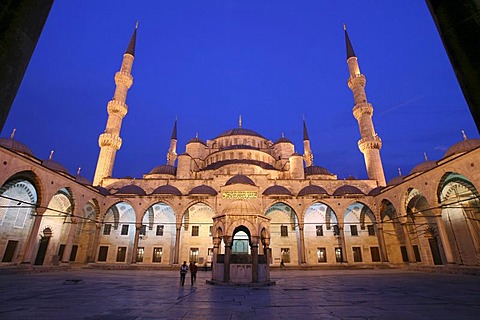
(316, 294)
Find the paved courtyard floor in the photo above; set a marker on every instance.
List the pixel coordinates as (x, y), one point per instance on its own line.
(326, 294)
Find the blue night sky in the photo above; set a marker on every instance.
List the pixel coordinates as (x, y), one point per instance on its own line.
(207, 62)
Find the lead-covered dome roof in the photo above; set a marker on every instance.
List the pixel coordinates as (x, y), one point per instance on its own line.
(313, 170)
(311, 190)
(462, 146)
(15, 146)
(167, 189)
(240, 132)
(277, 190)
(347, 190)
(240, 179)
(203, 189)
(132, 189)
(55, 166)
(164, 169)
(424, 166)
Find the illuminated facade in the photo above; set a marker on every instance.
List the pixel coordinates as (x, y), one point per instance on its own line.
(240, 193)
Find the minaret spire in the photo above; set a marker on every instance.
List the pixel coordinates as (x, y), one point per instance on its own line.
(369, 143)
(172, 150)
(307, 151)
(110, 141)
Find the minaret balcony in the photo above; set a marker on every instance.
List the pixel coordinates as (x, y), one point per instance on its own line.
(362, 109)
(109, 140)
(117, 107)
(123, 78)
(373, 142)
(357, 80)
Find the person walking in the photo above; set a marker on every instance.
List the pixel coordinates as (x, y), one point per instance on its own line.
(193, 272)
(183, 272)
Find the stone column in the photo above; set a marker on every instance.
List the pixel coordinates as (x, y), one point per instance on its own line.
(33, 237)
(381, 242)
(408, 243)
(469, 216)
(93, 249)
(65, 259)
(266, 250)
(343, 244)
(135, 243)
(176, 255)
(228, 251)
(302, 243)
(443, 236)
(216, 244)
(254, 259)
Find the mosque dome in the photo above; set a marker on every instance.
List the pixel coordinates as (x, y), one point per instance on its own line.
(240, 132)
(313, 170)
(376, 191)
(277, 190)
(424, 166)
(103, 191)
(395, 181)
(82, 180)
(240, 179)
(241, 207)
(164, 169)
(196, 140)
(462, 146)
(16, 146)
(132, 189)
(311, 190)
(283, 140)
(203, 189)
(55, 166)
(347, 190)
(167, 189)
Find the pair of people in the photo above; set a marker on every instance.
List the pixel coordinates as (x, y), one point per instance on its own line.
(183, 272)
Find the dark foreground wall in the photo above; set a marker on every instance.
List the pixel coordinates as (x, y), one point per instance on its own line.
(458, 22)
(21, 22)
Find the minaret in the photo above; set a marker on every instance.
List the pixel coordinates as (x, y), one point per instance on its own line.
(370, 143)
(307, 152)
(110, 141)
(172, 151)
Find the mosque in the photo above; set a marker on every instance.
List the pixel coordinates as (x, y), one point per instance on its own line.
(239, 199)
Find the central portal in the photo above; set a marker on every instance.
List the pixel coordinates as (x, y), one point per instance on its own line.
(245, 234)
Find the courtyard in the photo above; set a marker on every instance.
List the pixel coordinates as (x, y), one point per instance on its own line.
(316, 294)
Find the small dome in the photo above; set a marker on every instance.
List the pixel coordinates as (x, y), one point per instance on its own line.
(395, 181)
(132, 189)
(347, 190)
(283, 140)
(312, 189)
(296, 154)
(54, 165)
(15, 146)
(241, 207)
(167, 189)
(240, 132)
(103, 191)
(277, 190)
(350, 177)
(82, 180)
(313, 170)
(376, 191)
(203, 189)
(164, 169)
(240, 179)
(424, 166)
(462, 146)
(196, 140)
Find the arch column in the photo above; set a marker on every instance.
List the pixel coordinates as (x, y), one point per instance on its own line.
(443, 235)
(343, 244)
(302, 242)
(254, 246)
(135, 243)
(65, 258)
(266, 252)
(93, 250)
(33, 237)
(381, 242)
(408, 243)
(228, 251)
(216, 245)
(176, 254)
